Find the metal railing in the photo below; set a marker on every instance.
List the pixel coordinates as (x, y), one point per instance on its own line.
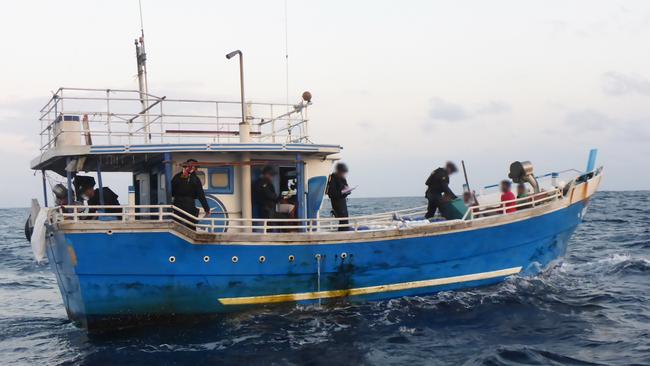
(374, 222)
(117, 116)
(517, 204)
(143, 213)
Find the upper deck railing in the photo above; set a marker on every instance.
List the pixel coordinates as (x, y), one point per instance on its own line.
(79, 116)
(400, 219)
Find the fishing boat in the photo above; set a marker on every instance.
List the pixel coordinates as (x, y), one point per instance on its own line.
(148, 260)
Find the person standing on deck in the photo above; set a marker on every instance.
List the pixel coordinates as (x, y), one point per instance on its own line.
(522, 194)
(186, 188)
(437, 185)
(507, 196)
(264, 194)
(338, 191)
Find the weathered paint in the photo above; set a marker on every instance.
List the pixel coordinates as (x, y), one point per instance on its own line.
(124, 271)
(128, 274)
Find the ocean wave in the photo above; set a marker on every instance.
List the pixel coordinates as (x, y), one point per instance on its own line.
(631, 266)
(514, 355)
(606, 220)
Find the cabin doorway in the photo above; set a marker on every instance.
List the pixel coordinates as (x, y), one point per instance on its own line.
(284, 183)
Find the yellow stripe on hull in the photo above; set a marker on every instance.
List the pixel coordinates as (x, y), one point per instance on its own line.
(267, 299)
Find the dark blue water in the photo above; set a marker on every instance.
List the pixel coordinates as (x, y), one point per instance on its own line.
(594, 308)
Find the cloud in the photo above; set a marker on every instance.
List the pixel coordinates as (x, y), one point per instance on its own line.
(494, 107)
(624, 130)
(15, 144)
(442, 110)
(588, 119)
(365, 124)
(636, 131)
(618, 84)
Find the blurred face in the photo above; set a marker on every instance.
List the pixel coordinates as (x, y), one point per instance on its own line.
(450, 169)
(89, 192)
(505, 188)
(521, 189)
(189, 169)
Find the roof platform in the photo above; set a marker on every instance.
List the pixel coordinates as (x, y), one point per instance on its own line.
(132, 127)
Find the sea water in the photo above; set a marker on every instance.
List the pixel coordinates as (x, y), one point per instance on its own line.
(591, 308)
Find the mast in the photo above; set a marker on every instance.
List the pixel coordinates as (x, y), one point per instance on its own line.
(141, 57)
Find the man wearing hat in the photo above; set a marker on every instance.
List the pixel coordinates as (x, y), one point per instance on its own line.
(86, 191)
(264, 194)
(186, 188)
(437, 185)
(338, 191)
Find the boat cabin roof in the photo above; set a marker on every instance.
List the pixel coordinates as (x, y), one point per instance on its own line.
(125, 158)
(125, 129)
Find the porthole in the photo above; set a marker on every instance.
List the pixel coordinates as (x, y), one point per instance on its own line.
(172, 259)
(206, 259)
(109, 232)
(292, 258)
(262, 259)
(235, 259)
(344, 255)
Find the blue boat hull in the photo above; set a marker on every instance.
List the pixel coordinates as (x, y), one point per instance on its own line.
(125, 275)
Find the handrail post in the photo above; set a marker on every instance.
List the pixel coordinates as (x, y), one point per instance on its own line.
(108, 114)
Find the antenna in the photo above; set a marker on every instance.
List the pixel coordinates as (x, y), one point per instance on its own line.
(286, 49)
(143, 84)
(144, 54)
(141, 22)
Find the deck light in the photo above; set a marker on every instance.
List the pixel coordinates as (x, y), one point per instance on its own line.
(241, 80)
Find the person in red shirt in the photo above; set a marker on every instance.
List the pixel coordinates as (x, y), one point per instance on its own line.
(507, 195)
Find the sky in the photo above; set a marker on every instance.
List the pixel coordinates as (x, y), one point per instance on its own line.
(403, 86)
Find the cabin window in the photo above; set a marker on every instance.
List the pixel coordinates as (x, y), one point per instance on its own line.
(221, 179)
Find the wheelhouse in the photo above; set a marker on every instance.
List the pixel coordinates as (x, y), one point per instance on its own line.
(100, 131)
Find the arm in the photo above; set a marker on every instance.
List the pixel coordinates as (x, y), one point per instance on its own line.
(200, 195)
(345, 185)
(174, 183)
(445, 188)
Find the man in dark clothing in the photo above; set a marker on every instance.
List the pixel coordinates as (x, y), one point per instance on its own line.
(110, 199)
(186, 188)
(86, 191)
(338, 191)
(437, 185)
(264, 194)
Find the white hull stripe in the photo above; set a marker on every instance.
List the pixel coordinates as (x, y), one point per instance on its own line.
(266, 299)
